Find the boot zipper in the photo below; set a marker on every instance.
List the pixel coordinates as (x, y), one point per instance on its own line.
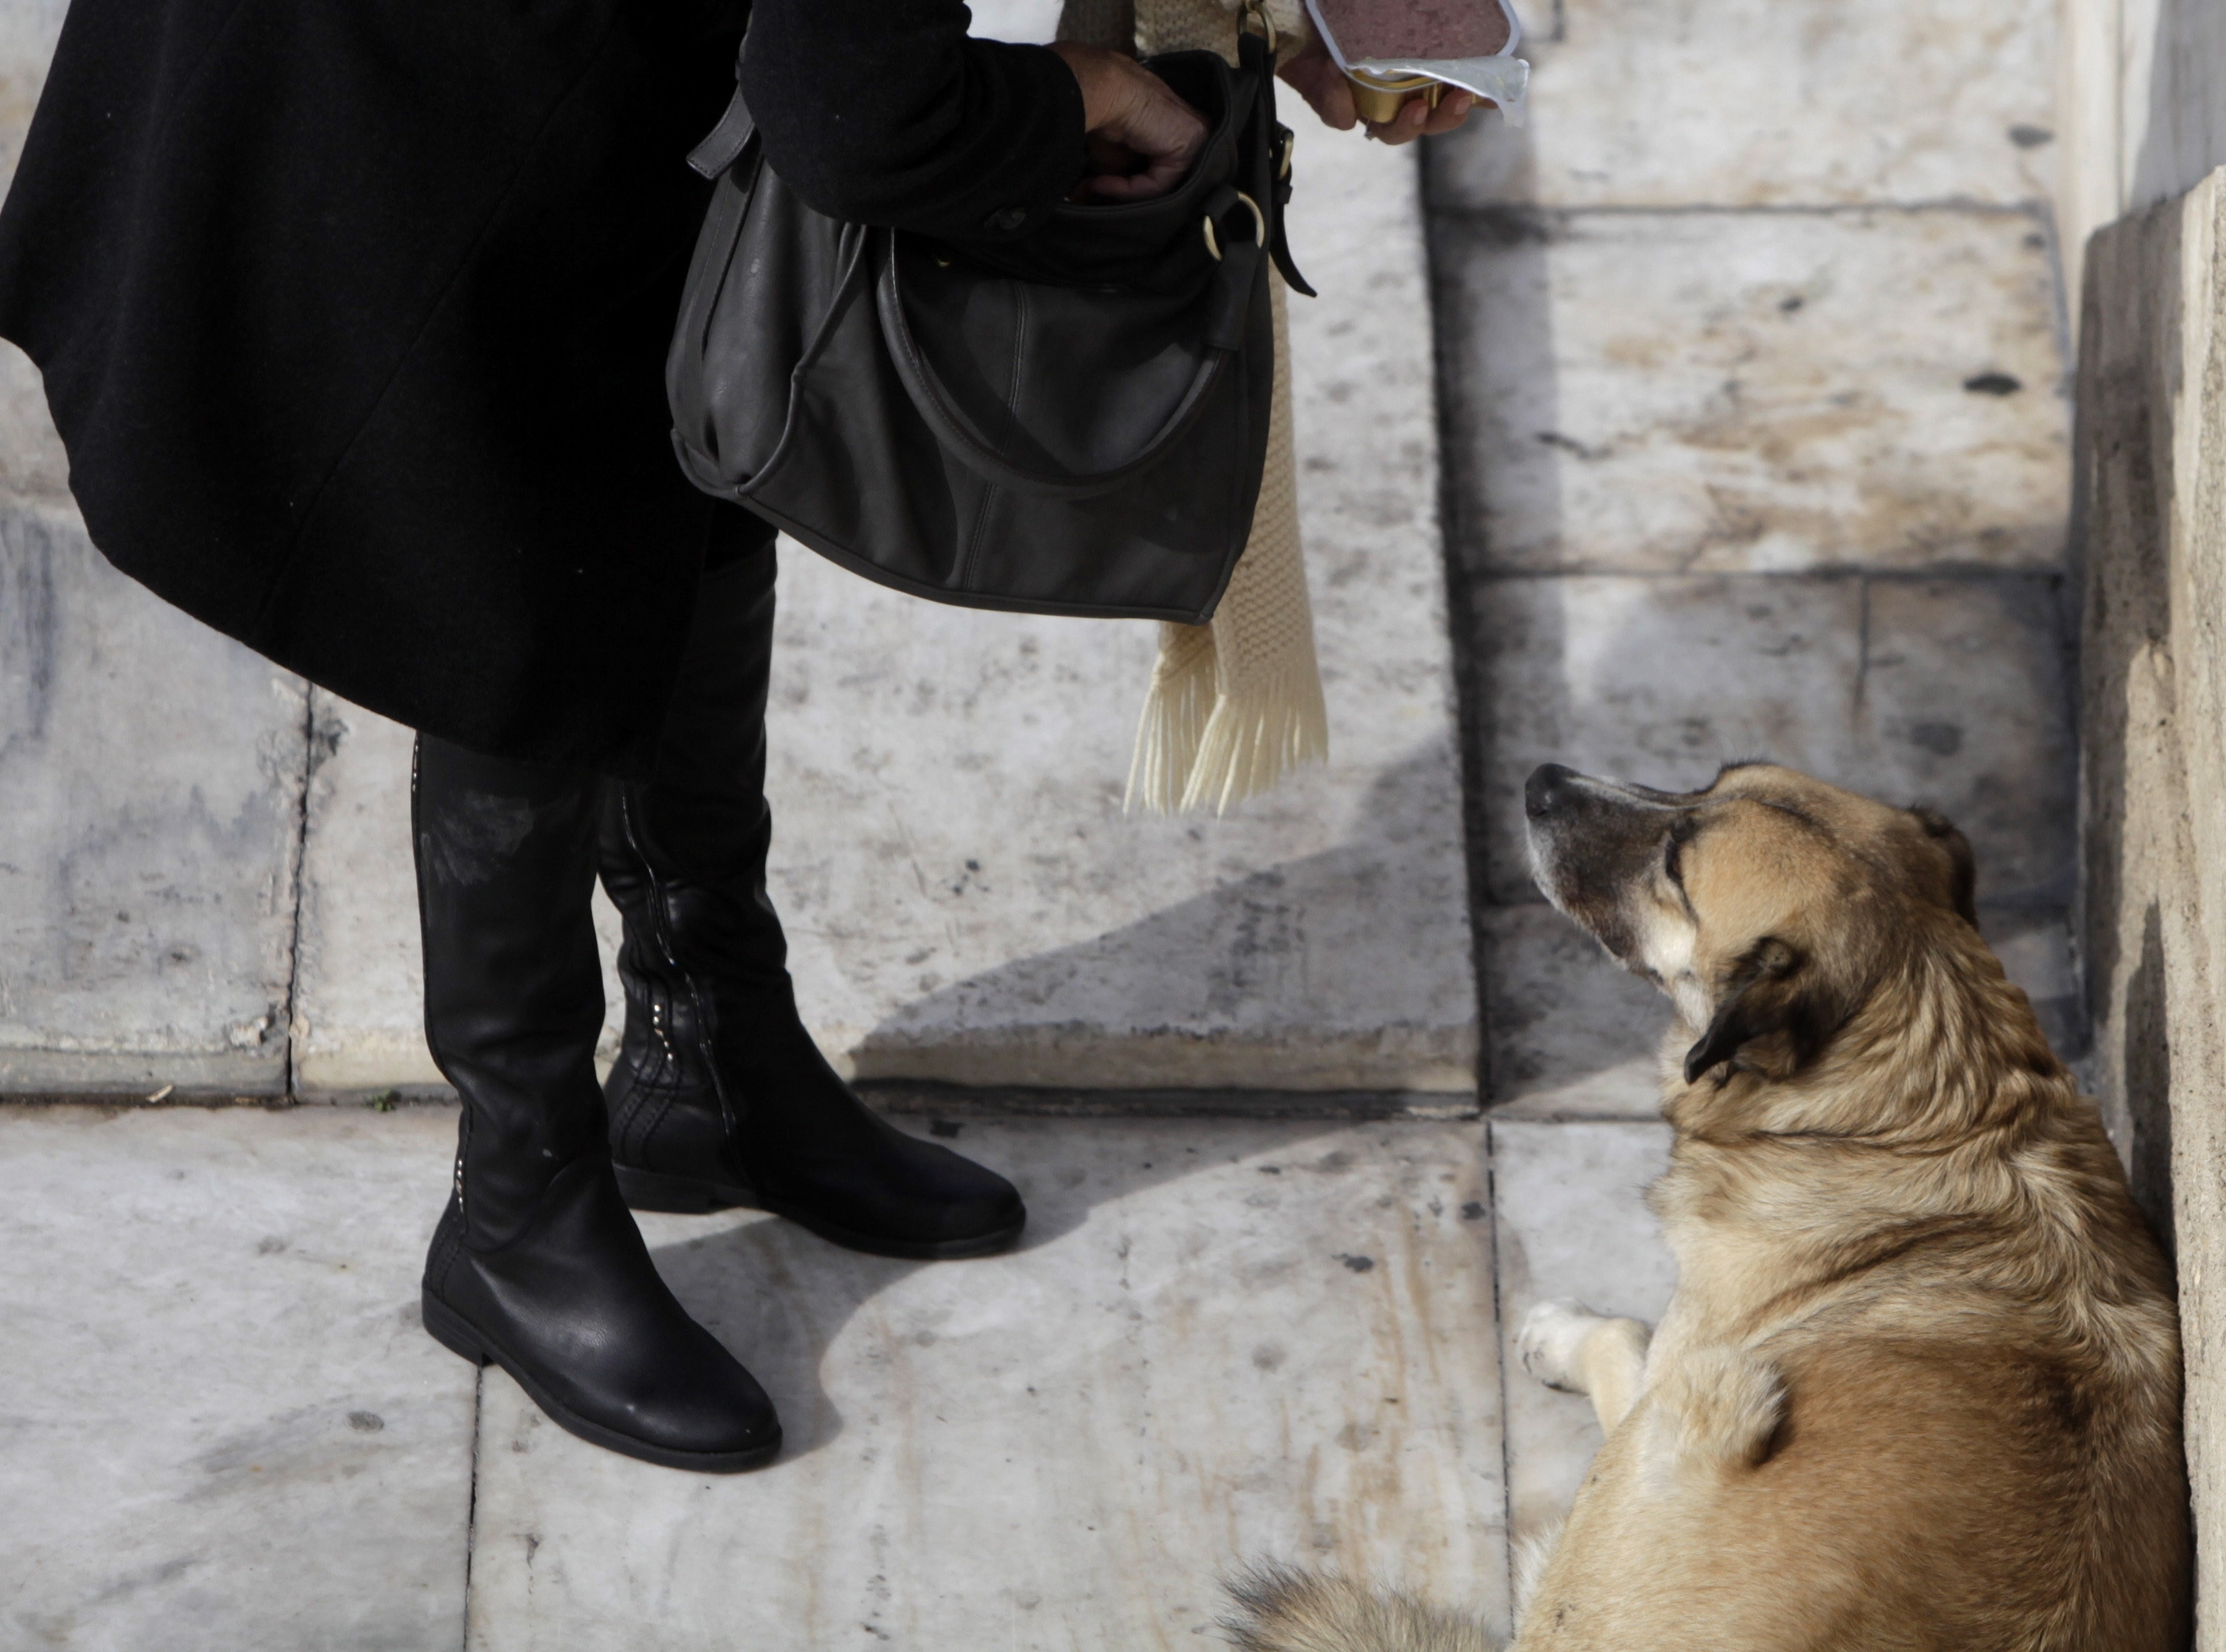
(463, 1147)
(661, 926)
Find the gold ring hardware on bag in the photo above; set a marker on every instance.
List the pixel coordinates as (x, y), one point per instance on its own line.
(1259, 228)
(1256, 11)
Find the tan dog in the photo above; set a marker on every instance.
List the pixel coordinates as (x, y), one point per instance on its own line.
(1919, 1385)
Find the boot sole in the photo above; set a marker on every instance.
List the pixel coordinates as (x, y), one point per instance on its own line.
(691, 1196)
(451, 1329)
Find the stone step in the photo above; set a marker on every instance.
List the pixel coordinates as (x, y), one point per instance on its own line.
(151, 784)
(1221, 1341)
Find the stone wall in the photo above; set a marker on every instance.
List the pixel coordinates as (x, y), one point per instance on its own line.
(2141, 110)
(2152, 487)
(2141, 120)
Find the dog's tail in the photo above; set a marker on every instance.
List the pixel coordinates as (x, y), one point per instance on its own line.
(1279, 1609)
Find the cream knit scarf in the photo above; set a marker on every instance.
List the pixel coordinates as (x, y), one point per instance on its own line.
(1236, 704)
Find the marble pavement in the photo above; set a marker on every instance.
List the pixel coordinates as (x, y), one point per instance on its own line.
(1753, 437)
(1223, 1341)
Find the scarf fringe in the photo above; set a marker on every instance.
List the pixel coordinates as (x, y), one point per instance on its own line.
(1172, 729)
(1258, 735)
(1203, 745)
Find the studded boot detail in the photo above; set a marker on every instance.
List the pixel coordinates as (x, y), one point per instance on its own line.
(719, 1096)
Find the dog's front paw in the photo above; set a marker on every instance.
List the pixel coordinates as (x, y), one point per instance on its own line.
(1548, 1340)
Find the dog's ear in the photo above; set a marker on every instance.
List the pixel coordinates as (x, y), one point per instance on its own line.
(1963, 868)
(1770, 991)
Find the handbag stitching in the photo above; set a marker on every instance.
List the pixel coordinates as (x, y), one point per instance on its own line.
(736, 211)
(741, 211)
(741, 492)
(927, 395)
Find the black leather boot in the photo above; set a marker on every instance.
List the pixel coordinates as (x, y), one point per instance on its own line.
(720, 1097)
(537, 1266)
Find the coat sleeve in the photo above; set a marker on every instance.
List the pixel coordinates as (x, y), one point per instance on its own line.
(885, 112)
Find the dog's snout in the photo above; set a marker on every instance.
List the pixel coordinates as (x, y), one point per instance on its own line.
(1546, 787)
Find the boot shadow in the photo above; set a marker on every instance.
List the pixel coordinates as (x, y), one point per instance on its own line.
(778, 1296)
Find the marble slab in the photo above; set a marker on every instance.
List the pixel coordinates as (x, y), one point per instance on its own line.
(1965, 702)
(150, 779)
(1571, 1223)
(224, 1425)
(1756, 103)
(968, 902)
(1221, 1341)
(1682, 393)
(1573, 1034)
(965, 898)
(1952, 692)
(360, 1009)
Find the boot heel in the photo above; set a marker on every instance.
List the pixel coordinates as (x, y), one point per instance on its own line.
(447, 1326)
(654, 1190)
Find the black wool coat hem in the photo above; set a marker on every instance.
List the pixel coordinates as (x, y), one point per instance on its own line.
(353, 314)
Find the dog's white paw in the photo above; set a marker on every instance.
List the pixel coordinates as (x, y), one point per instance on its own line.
(1549, 1339)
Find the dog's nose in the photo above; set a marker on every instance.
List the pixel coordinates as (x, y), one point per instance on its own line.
(1545, 788)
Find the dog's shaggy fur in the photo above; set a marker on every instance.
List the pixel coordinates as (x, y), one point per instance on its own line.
(1285, 1610)
(1919, 1386)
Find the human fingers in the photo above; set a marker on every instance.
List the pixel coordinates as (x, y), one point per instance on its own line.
(1107, 162)
(1404, 127)
(1416, 118)
(1135, 177)
(1159, 128)
(1159, 125)
(1451, 112)
(1120, 186)
(1318, 79)
(1140, 137)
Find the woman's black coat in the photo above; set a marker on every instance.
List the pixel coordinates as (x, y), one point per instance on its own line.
(353, 313)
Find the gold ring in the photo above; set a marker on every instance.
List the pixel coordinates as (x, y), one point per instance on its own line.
(1259, 228)
(1256, 11)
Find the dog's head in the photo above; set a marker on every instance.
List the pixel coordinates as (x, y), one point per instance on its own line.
(1767, 904)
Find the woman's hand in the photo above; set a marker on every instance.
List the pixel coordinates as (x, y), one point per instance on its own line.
(1315, 76)
(1141, 138)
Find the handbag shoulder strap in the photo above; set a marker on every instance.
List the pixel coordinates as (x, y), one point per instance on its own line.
(725, 143)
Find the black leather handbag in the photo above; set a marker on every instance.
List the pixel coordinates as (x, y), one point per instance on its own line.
(1074, 422)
